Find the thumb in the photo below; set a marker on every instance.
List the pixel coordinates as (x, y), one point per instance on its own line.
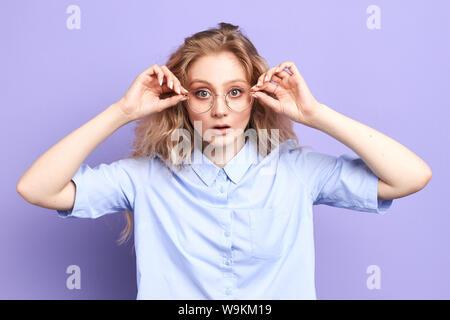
(268, 100)
(168, 102)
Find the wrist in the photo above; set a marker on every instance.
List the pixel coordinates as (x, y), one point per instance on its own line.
(315, 118)
(119, 114)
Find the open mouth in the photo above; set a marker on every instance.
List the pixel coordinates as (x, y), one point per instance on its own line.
(221, 129)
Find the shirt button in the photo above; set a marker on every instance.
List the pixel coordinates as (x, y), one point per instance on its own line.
(227, 233)
(228, 291)
(222, 189)
(228, 262)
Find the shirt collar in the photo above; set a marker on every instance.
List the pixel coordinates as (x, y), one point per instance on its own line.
(235, 168)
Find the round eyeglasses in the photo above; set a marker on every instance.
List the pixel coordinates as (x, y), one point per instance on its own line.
(237, 99)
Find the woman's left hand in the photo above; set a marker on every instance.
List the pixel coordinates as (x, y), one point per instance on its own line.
(293, 97)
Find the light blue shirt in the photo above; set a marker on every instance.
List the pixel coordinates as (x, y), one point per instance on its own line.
(244, 231)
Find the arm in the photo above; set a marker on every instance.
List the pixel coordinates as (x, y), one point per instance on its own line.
(401, 172)
(50, 175)
(48, 182)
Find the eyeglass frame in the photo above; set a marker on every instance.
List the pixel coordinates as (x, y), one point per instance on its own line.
(217, 95)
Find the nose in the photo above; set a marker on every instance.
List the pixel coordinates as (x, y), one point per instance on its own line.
(220, 107)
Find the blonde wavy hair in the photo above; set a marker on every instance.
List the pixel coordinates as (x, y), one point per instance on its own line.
(153, 134)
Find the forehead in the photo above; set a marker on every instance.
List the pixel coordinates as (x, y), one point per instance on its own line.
(216, 70)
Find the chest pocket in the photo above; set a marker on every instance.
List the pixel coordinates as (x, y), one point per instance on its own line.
(267, 233)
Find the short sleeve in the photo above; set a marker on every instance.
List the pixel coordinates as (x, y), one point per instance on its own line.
(344, 181)
(104, 189)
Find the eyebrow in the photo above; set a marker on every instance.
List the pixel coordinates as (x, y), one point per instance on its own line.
(204, 81)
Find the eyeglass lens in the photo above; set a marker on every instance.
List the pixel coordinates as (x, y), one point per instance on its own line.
(238, 99)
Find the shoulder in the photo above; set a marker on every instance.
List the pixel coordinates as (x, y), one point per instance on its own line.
(290, 151)
(305, 155)
(133, 163)
(307, 163)
(133, 168)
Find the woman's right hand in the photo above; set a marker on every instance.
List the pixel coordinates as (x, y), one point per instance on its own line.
(143, 96)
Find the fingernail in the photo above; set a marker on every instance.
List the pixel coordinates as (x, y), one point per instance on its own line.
(266, 78)
(170, 85)
(178, 91)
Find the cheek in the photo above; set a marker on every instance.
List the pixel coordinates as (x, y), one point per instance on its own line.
(245, 118)
(198, 122)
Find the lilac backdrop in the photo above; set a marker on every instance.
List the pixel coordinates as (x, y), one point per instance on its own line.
(394, 79)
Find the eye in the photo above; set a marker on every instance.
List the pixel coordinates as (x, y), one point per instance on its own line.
(234, 90)
(196, 93)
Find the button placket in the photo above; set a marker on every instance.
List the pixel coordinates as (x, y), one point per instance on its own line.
(229, 280)
(227, 259)
(230, 286)
(221, 181)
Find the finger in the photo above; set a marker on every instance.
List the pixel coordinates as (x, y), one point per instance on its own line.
(295, 73)
(148, 75)
(173, 82)
(260, 80)
(276, 79)
(160, 75)
(260, 84)
(283, 74)
(179, 88)
(268, 101)
(269, 74)
(171, 101)
(176, 87)
(291, 67)
(268, 86)
(150, 70)
(176, 84)
(169, 77)
(182, 89)
(164, 77)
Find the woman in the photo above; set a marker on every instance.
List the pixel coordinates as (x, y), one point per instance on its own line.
(222, 213)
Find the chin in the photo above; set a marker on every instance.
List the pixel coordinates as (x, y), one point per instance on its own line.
(220, 141)
(223, 140)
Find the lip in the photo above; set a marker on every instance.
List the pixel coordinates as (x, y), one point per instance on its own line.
(221, 131)
(222, 125)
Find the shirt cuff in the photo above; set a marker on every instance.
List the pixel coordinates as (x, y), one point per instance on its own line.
(373, 203)
(80, 199)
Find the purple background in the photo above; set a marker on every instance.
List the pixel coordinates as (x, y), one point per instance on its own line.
(394, 79)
